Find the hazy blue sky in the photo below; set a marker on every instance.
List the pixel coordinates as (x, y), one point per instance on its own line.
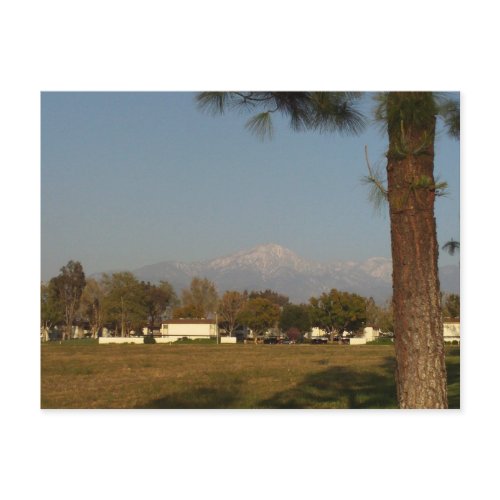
(129, 179)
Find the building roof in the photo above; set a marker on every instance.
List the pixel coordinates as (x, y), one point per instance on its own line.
(189, 322)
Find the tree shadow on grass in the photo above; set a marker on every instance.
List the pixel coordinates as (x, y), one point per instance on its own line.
(343, 387)
(453, 372)
(204, 397)
(334, 387)
(340, 387)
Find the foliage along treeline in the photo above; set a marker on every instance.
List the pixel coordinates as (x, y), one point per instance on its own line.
(123, 303)
(118, 300)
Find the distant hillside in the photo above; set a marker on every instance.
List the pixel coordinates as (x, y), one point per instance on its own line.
(272, 266)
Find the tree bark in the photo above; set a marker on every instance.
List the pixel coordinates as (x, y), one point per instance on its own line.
(419, 344)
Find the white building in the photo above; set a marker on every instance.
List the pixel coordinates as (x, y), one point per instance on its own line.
(78, 332)
(317, 332)
(357, 341)
(176, 329)
(370, 333)
(451, 330)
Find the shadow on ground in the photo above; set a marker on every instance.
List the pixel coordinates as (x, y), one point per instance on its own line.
(205, 397)
(334, 387)
(340, 387)
(453, 372)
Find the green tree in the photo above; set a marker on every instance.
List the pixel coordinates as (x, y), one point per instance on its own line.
(386, 322)
(124, 302)
(187, 312)
(410, 118)
(259, 315)
(295, 317)
(201, 298)
(336, 311)
(157, 299)
(230, 306)
(51, 310)
(274, 297)
(68, 288)
(451, 306)
(410, 121)
(372, 312)
(91, 305)
(379, 317)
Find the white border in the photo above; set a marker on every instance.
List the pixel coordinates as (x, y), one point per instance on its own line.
(193, 45)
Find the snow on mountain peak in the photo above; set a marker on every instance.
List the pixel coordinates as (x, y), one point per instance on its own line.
(275, 267)
(378, 267)
(266, 258)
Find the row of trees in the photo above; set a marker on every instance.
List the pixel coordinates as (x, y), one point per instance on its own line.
(118, 300)
(124, 303)
(332, 311)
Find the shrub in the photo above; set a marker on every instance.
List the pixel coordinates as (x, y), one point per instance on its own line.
(186, 340)
(381, 341)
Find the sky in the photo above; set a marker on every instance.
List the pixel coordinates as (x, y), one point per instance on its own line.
(135, 178)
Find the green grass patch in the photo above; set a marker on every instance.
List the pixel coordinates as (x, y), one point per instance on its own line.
(72, 342)
(197, 375)
(196, 341)
(453, 372)
(381, 341)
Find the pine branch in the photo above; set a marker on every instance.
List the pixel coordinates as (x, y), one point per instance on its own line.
(378, 192)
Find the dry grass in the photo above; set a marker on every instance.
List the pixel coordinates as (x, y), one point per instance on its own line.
(220, 376)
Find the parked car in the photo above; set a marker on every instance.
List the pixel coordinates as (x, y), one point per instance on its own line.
(386, 334)
(270, 340)
(319, 341)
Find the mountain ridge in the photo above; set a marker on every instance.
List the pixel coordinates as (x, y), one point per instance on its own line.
(282, 270)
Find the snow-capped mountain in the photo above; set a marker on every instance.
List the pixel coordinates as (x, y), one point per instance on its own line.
(275, 267)
(266, 258)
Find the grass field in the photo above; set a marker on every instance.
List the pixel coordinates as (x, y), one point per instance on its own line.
(87, 375)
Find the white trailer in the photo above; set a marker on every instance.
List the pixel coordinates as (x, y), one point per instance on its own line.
(176, 329)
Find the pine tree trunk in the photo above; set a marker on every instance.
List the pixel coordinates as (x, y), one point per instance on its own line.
(419, 343)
